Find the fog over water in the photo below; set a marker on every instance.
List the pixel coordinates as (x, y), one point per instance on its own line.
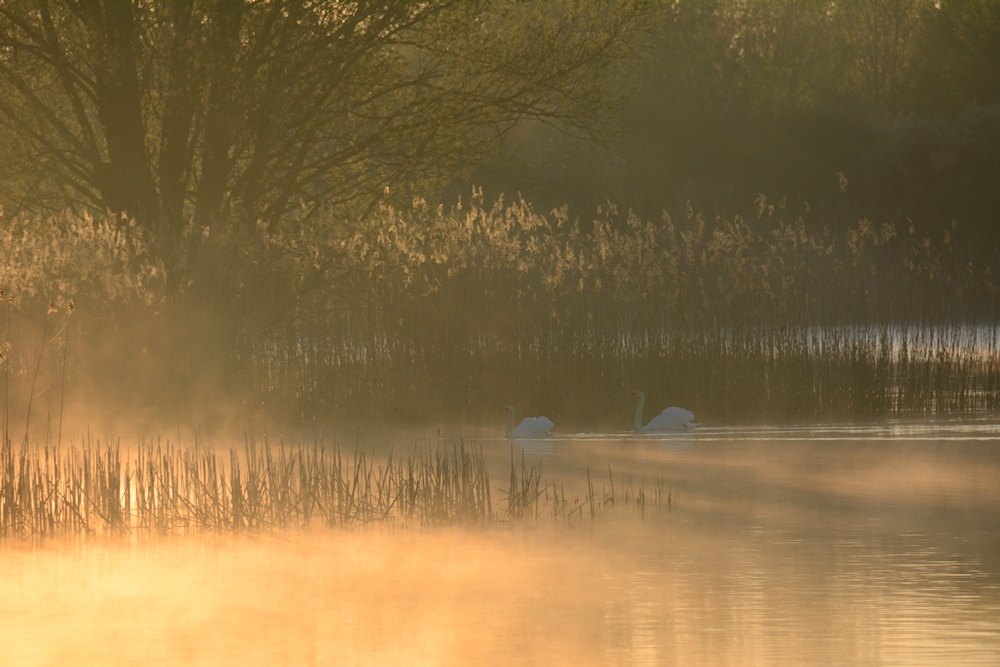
(865, 545)
(300, 255)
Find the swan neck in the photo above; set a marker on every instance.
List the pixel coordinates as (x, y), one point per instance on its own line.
(637, 423)
(510, 423)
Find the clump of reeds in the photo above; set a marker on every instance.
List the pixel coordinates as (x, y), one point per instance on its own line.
(96, 487)
(45, 491)
(91, 488)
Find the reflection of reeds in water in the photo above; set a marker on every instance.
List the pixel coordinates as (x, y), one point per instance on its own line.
(99, 488)
(530, 495)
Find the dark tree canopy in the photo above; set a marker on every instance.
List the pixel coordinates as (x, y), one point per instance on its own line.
(207, 111)
(778, 96)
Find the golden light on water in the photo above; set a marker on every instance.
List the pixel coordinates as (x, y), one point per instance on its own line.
(376, 597)
(309, 234)
(772, 553)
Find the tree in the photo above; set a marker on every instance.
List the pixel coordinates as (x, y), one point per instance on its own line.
(190, 114)
(778, 96)
(880, 34)
(957, 56)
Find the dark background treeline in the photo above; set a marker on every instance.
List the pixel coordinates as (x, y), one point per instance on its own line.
(762, 211)
(779, 97)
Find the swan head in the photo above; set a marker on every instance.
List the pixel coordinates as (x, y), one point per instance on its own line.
(638, 394)
(507, 410)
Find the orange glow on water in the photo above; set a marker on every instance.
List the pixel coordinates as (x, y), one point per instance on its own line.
(776, 553)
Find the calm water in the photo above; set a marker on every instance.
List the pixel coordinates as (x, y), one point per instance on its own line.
(824, 546)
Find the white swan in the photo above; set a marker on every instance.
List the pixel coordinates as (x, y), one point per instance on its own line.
(530, 427)
(671, 419)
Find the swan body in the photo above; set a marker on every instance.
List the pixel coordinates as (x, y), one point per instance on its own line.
(530, 427)
(671, 419)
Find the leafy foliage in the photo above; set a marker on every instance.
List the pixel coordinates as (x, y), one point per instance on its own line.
(777, 97)
(216, 113)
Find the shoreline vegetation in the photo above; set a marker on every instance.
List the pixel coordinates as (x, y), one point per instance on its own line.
(422, 314)
(101, 488)
(262, 212)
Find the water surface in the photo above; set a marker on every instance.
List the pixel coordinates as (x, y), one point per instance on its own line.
(827, 545)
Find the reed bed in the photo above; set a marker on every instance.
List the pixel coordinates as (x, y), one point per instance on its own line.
(99, 488)
(424, 315)
(758, 319)
(583, 379)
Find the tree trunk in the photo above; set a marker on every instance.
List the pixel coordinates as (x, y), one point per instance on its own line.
(176, 135)
(226, 17)
(125, 180)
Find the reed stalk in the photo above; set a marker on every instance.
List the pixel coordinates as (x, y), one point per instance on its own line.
(70, 307)
(38, 366)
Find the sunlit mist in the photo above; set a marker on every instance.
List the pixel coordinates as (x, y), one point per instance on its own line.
(556, 332)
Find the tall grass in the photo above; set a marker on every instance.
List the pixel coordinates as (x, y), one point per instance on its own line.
(427, 315)
(100, 488)
(763, 318)
(97, 488)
